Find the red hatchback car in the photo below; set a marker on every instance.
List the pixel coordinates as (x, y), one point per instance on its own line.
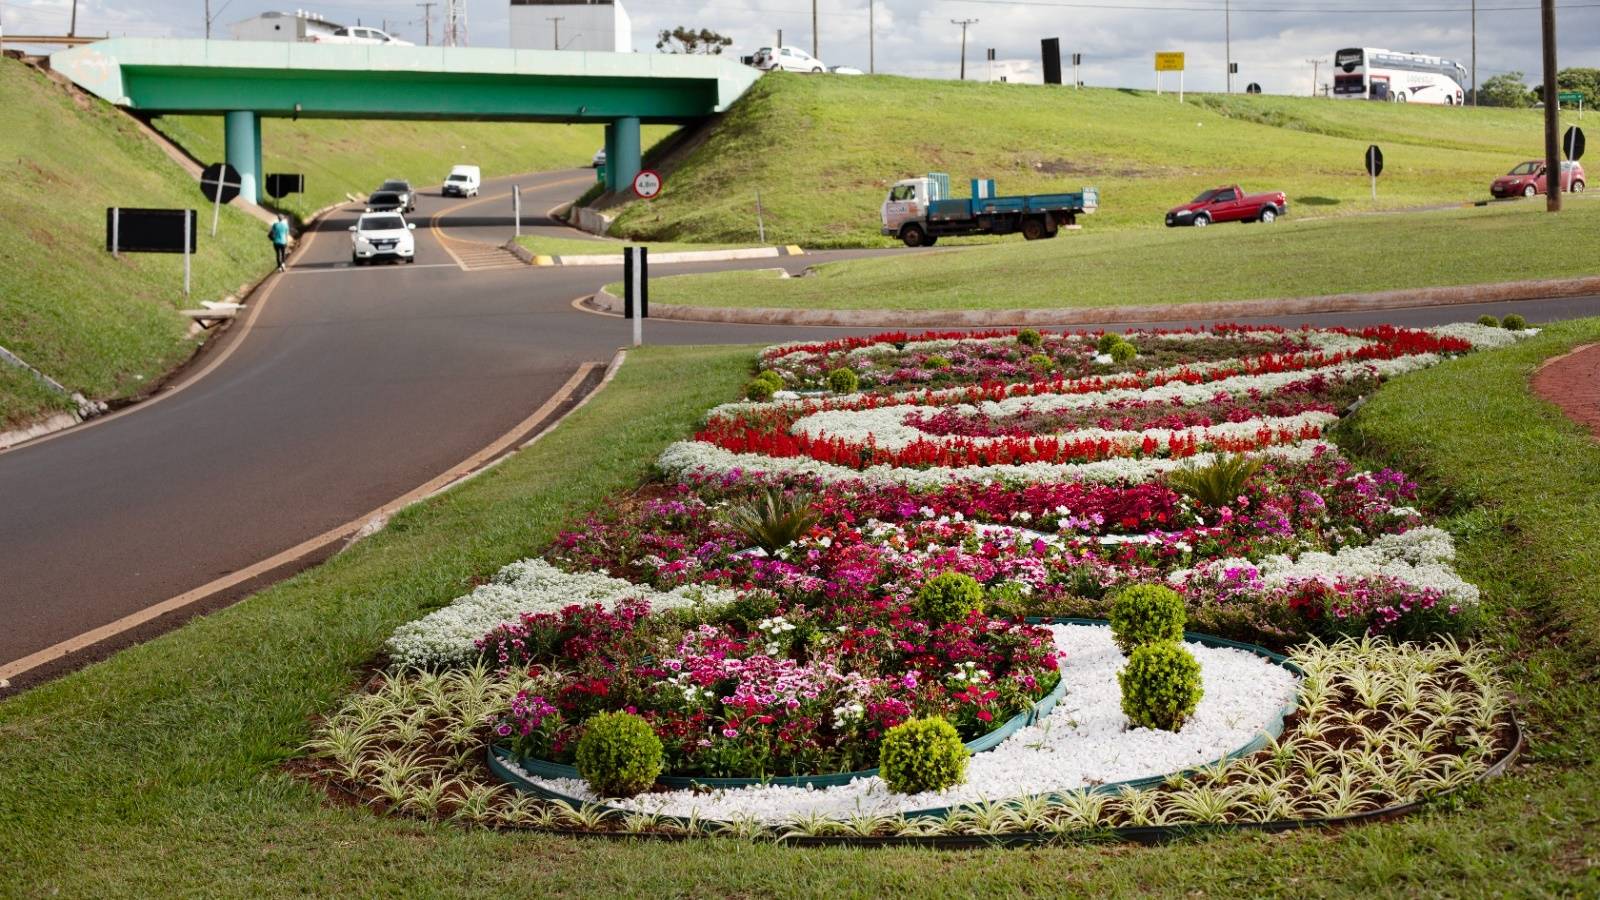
(1529, 178)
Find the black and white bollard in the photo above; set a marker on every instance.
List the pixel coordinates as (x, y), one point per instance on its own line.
(636, 289)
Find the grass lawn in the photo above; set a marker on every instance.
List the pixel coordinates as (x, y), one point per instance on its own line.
(105, 327)
(822, 152)
(553, 246)
(340, 156)
(1290, 258)
(157, 772)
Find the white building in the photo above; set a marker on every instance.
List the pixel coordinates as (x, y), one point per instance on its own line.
(571, 25)
(299, 25)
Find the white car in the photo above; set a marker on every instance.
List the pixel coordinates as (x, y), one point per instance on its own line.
(845, 70)
(599, 158)
(463, 181)
(382, 235)
(360, 34)
(789, 59)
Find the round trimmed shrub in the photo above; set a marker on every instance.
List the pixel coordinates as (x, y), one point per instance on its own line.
(1513, 322)
(1030, 337)
(1160, 686)
(1108, 340)
(1489, 320)
(948, 597)
(772, 378)
(1144, 614)
(843, 381)
(937, 362)
(1040, 361)
(760, 390)
(922, 755)
(1123, 352)
(619, 754)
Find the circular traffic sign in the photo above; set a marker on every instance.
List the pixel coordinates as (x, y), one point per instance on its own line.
(220, 178)
(1252, 88)
(1374, 161)
(648, 184)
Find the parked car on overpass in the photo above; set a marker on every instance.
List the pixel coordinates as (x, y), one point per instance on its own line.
(1529, 178)
(359, 34)
(789, 59)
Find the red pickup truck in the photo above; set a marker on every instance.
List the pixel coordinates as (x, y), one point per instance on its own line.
(1228, 204)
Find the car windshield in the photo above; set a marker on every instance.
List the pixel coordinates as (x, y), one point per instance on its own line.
(1208, 195)
(382, 223)
(395, 186)
(1526, 168)
(456, 177)
(382, 198)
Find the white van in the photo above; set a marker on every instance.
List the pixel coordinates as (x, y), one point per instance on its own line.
(463, 181)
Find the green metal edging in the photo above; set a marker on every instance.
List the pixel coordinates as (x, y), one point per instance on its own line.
(500, 760)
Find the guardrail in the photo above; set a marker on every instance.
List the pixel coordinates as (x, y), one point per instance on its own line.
(70, 40)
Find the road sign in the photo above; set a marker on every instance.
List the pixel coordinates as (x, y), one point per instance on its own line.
(1169, 62)
(648, 184)
(1569, 97)
(1374, 160)
(281, 185)
(152, 231)
(220, 183)
(1252, 88)
(1572, 143)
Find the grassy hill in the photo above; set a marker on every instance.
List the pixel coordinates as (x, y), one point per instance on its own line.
(102, 326)
(822, 152)
(340, 156)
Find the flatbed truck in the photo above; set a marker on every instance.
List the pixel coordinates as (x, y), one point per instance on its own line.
(919, 211)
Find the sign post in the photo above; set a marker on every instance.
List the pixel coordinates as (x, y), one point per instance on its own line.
(516, 207)
(188, 237)
(220, 184)
(1572, 97)
(1170, 62)
(636, 289)
(1374, 161)
(1077, 79)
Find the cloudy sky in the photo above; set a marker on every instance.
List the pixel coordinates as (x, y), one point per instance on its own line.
(1272, 39)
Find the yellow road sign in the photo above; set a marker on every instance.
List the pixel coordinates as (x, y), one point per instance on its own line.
(1169, 62)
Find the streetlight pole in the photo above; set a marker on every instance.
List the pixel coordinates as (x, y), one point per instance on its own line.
(1227, 39)
(814, 48)
(555, 22)
(963, 23)
(72, 30)
(1474, 52)
(872, 36)
(427, 22)
(1552, 108)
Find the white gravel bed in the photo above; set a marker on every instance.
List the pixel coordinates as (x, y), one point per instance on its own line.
(1086, 741)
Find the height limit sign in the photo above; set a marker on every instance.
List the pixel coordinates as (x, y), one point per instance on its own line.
(648, 184)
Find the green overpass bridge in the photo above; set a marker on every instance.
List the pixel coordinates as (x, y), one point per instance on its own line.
(244, 81)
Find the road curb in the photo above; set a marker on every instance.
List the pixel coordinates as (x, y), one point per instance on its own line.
(681, 256)
(1551, 289)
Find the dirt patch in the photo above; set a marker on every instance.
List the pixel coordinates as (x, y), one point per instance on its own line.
(1072, 167)
(1572, 382)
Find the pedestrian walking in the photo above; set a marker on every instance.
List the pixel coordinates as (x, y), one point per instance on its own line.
(279, 235)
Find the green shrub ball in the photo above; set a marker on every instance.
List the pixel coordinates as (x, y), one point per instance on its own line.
(922, 755)
(1123, 352)
(1489, 320)
(937, 362)
(619, 754)
(1029, 337)
(771, 377)
(843, 381)
(1108, 340)
(1160, 686)
(948, 597)
(1513, 322)
(1041, 362)
(759, 389)
(1146, 613)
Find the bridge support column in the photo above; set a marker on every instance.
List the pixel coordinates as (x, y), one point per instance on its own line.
(242, 137)
(622, 153)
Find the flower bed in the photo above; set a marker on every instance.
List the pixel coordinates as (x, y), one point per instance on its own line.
(812, 576)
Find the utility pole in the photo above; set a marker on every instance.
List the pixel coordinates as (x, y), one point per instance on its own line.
(1227, 39)
(1552, 108)
(208, 20)
(72, 30)
(555, 22)
(872, 35)
(963, 23)
(814, 53)
(1316, 65)
(427, 22)
(1474, 52)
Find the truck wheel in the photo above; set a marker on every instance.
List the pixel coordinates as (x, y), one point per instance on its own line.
(1032, 229)
(914, 236)
(1268, 215)
(1202, 220)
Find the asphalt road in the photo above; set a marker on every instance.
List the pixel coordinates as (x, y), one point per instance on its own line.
(349, 387)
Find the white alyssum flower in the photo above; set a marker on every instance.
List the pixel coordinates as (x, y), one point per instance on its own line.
(446, 636)
(1483, 337)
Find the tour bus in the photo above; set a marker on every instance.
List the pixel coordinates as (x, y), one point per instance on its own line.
(1365, 73)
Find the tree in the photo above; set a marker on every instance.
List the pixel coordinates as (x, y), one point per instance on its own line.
(687, 40)
(1507, 89)
(1586, 81)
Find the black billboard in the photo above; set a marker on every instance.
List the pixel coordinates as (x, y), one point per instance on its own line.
(149, 230)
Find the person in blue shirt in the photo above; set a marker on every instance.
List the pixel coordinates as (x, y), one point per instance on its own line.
(279, 234)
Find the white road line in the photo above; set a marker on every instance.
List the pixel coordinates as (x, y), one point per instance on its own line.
(346, 267)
